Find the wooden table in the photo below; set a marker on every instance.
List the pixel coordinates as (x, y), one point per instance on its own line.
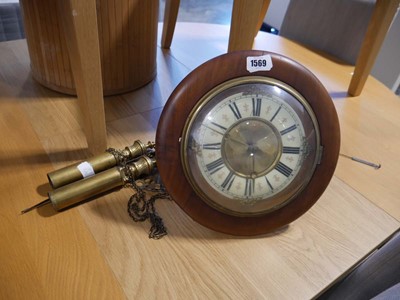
(96, 251)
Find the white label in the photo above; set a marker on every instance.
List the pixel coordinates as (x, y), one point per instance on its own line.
(259, 63)
(86, 169)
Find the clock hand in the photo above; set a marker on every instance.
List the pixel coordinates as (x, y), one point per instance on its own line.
(236, 140)
(221, 133)
(226, 135)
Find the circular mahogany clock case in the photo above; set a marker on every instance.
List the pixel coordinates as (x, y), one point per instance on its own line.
(248, 142)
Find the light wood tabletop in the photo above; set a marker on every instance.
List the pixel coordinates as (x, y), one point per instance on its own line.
(95, 251)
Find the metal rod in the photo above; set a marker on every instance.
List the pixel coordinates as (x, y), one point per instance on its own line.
(362, 161)
(44, 202)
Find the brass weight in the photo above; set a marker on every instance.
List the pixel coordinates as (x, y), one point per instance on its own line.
(97, 164)
(105, 181)
(76, 192)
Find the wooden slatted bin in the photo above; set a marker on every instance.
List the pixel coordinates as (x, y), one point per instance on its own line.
(128, 43)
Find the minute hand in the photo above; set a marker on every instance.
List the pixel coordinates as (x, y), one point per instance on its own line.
(226, 135)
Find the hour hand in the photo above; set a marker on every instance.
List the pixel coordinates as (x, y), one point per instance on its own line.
(228, 136)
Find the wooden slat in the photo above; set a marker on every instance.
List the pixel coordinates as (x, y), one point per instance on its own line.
(51, 47)
(125, 37)
(58, 51)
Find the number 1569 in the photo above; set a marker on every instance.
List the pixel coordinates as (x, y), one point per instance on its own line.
(258, 62)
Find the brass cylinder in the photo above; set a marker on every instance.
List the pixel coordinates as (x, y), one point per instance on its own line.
(94, 165)
(72, 173)
(76, 192)
(81, 190)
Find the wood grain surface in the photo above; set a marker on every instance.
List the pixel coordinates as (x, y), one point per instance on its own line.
(95, 251)
(41, 257)
(127, 33)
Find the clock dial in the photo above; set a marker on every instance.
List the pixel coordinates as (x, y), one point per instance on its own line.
(247, 146)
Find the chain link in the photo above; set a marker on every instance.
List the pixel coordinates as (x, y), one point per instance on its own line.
(121, 159)
(141, 206)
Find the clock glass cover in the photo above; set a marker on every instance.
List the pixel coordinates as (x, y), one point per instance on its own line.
(250, 146)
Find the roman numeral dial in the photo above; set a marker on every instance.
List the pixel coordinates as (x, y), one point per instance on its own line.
(248, 147)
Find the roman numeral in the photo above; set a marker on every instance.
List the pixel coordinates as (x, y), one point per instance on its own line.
(291, 150)
(215, 166)
(283, 169)
(227, 184)
(213, 146)
(273, 117)
(269, 183)
(249, 188)
(289, 129)
(235, 110)
(256, 106)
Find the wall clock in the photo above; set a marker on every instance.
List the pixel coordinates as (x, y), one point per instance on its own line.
(247, 142)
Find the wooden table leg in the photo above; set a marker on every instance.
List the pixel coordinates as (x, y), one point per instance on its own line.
(379, 24)
(79, 22)
(170, 16)
(245, 19)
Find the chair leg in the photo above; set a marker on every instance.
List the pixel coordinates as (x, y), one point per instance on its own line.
(245, 19)
(79, 22)
(170, 16)
(261, 17)
(379, 24)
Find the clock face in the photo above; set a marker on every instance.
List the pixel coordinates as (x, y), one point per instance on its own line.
(245, 147)
(250, 146)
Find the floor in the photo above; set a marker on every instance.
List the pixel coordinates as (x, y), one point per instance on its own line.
(202, 11)
(208, 11)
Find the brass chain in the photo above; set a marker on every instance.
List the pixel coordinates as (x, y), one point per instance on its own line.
(141, 205)
(121, 159)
